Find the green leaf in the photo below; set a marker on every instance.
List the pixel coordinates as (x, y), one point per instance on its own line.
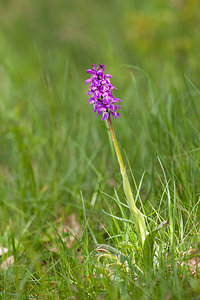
(148, 248)
(195, 284)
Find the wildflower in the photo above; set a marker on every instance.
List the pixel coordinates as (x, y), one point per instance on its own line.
(101, 93)
(105, 104)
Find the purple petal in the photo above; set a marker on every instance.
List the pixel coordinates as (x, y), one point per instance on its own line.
(107, 76)
(88, 80)
(105, 115)
(100, 72)
(117, 99)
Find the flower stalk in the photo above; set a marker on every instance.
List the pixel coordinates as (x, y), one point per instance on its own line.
(138, 217)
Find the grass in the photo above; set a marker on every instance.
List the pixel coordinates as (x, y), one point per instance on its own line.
(63, 214)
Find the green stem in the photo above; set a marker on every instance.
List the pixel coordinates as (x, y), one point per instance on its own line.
(139, 219)
(115, 143)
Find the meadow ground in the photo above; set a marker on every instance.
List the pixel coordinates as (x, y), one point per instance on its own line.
(66, 232)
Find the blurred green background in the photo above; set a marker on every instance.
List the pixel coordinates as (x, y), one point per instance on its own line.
(52, 146)
(117, 32)
(50, 137)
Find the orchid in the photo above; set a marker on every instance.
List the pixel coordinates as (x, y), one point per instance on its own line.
(101, 93)
(105, 104)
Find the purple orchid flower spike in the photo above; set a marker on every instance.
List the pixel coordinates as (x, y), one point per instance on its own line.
(101, 93)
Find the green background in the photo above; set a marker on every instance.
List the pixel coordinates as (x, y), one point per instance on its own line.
(52, 146)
